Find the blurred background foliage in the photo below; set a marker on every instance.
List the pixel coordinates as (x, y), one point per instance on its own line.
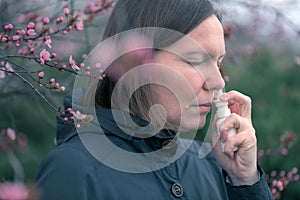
(265, 67)
(272, 81)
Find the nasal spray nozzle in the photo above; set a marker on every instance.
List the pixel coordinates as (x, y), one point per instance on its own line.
(222, 112)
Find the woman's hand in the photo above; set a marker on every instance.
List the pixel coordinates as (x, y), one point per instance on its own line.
(240, 165)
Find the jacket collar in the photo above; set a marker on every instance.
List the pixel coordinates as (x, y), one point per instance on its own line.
(112, 122)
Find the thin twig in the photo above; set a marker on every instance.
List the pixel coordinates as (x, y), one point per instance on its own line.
(17, 56)
(17, 167)
(34, 89)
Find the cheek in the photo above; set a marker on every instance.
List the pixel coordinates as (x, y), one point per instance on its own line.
(169, 101)
(176, 111)
(196, 81)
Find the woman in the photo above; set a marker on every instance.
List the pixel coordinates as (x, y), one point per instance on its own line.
(146, 104)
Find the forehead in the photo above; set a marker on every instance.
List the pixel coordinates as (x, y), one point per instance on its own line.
(207, 38)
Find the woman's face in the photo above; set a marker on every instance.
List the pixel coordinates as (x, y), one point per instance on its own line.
(194, 74)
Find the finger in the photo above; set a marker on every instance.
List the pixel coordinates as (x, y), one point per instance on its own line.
(236, 97)
(244, 141)
(238, 102)
(233, 121)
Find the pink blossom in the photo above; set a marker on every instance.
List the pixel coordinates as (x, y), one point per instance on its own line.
(48, 41)
(21, 19)
(8, 27)
(64, 66)
(73, 64)
(101, 77)
(52, 80)
(79, 25)
(289, 175)
(93, 6)
(13, 191)
(15, 37)
(46, 20)
(2, 74)
(66, 11)
(64, 32)
(22, 140)
(84, 56)
(23, 50)
(59, 20)
(31, 49)
(283, 151)
(9, 67)
(295, 170)
(22, 32)
(11, 134)
(260, 153)
(31, 32)
(44, 56)
(273, 173)
(56, 85)
(4, 39)
(78, 115)
(296, 178)
(31, 25)
(41, 74)
(62, 88)
(2, 63)
(98, 65)
(53, 55)
(279, 184)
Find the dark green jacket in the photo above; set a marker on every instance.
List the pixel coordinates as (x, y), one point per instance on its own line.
(71, 172)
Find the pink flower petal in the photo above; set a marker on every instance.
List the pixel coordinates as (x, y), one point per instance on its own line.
(11, 134)
(9, 67)
(73, 64)
(2, 74)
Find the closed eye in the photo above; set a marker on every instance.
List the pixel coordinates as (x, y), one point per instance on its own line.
(194, 63)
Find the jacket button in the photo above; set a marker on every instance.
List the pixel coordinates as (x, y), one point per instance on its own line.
(177, 190)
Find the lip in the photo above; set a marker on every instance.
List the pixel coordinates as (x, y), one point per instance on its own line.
(204, 108)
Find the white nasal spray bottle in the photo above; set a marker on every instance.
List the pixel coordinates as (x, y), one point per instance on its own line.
(222, 112)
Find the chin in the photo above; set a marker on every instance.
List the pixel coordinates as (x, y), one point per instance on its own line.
(189, 122)
(193, 125)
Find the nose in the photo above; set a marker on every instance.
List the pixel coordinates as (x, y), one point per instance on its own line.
(213, 80)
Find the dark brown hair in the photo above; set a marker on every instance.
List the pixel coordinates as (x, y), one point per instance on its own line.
(178, 15)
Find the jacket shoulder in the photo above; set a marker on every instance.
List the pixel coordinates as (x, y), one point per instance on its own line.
(65, 173)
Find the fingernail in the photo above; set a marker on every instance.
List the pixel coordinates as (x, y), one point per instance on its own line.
(224, 97)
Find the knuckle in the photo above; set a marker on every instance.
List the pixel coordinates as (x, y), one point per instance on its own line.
(227, 149)
(235, 116)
